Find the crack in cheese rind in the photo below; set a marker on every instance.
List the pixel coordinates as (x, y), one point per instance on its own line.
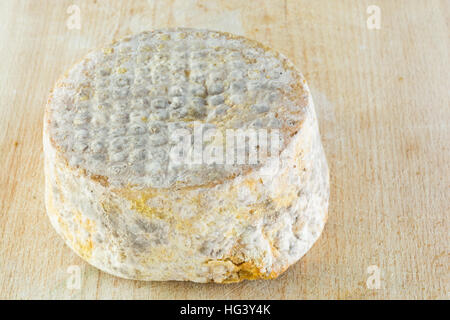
(252, 224)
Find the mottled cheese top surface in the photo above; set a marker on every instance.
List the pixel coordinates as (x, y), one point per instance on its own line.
(120, 112)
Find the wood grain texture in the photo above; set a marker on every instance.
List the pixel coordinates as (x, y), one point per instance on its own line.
(384, 109)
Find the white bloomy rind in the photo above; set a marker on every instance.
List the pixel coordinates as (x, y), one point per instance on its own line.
(252, 223)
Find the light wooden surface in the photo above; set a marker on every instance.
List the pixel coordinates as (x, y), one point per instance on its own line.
(383, 102)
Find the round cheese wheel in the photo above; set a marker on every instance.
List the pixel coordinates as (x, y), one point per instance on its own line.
(184, 154)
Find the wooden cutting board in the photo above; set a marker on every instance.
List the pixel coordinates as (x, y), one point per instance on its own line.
(383, 101)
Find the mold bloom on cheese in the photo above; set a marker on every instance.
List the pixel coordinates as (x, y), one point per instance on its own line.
(185, 154)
